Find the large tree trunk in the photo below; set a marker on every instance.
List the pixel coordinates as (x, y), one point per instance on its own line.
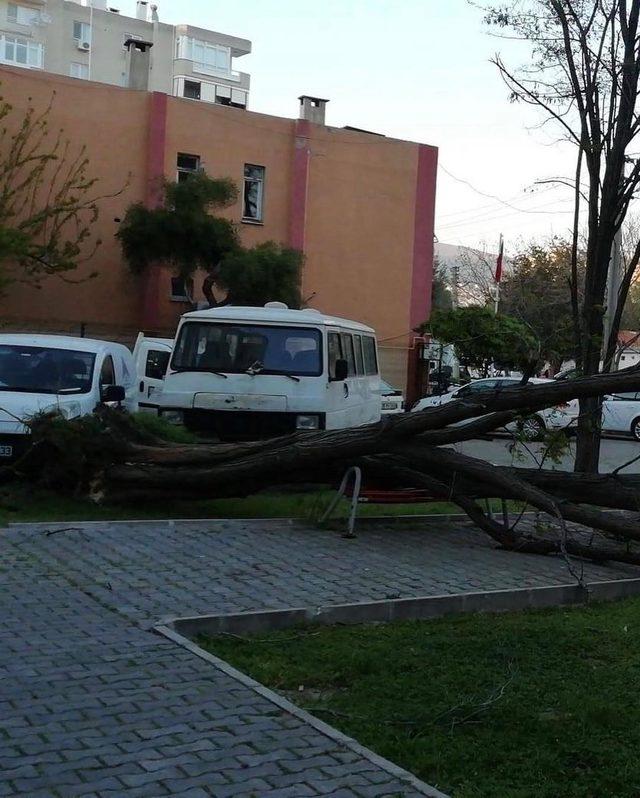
(406, 450)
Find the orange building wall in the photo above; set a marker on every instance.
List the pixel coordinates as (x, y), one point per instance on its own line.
(112, 123)
(360, 205)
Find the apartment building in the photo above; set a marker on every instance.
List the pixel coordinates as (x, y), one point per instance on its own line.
(92, 40)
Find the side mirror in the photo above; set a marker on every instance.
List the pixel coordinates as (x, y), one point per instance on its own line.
(341, 370)
(112, 393)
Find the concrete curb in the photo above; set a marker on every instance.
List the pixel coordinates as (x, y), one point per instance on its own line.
(363, 521)
(285, 705)
(404, 609)
(183, 630)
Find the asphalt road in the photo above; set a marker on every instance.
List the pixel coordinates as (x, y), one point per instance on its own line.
(613, 454)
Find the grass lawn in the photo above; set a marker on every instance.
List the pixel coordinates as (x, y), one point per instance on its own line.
(28, 504)
(527, 705)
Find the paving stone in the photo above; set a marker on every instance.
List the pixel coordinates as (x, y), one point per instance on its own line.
(92, 703)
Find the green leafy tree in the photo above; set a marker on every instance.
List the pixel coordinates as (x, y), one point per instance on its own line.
(481, 338)
(536, 291)
(441, 294)
(182, 231)
(47, 200)
(185, 233)
(265, 272)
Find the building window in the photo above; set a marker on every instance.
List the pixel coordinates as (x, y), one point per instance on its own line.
(191, 89)
(82, 32)
(187, 165)
(206, 57)
(22, 15)
(253, 192)
(181, 289)
(223, 95)
(238, 98)
(78, 70)
(21, 52)
(135, 36)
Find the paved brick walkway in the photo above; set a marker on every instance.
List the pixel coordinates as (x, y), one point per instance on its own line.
(93, 703)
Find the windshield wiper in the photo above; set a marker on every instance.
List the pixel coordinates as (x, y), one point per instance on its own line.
(21, 389)
(196, 370)
(258, 368)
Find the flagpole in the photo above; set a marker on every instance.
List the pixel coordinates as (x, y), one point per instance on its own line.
(498, 274)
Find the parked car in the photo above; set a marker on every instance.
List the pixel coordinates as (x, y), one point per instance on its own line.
(40, 373)
(553, 418)
(621, 413)
(392, 399)
(245, 373)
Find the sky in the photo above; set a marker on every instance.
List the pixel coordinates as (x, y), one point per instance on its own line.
(412, 69)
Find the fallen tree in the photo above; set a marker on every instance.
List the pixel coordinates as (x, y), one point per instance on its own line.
(107, 458)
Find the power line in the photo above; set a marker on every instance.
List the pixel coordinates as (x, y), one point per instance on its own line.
(490, 217)
(490, 206)
(485, 194)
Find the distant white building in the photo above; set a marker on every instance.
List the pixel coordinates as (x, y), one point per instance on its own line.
(91, 40)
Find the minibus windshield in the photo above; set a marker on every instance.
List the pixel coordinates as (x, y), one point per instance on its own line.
(248, 348)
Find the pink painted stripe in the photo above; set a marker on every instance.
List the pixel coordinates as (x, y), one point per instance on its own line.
(299, 185)
(156, 145)
(424, 225)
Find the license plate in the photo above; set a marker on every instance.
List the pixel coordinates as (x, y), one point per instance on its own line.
(6, 451)
(388, 405)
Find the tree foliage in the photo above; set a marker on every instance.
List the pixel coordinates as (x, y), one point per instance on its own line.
(583, 72)
(481, 337)
(47, 204)
(536, 291)
(181, 231)
(265, 272)
(441, 293)
(185, 232)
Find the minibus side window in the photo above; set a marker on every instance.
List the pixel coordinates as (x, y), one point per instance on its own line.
(370, 359)
(335, 353)
(357, 343)
(348, 354)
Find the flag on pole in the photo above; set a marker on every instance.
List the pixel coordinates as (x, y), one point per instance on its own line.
(498, 276)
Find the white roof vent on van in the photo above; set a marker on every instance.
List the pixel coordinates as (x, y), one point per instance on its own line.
(277, 306)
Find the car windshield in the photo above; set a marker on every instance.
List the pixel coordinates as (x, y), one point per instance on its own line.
(40, 369)
(250, 348)
(385, 388)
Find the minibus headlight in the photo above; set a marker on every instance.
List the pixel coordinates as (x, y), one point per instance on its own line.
(307, 422)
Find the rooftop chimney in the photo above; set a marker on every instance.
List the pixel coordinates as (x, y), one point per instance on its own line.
(138, 64)
(142, 10)
(312, 109)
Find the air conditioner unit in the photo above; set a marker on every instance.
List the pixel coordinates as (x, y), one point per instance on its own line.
(84, 46)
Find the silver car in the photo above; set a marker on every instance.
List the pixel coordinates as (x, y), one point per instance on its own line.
(561, 416)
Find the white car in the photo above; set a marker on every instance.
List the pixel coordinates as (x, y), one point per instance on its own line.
(621, 413)
(392, 399)
(41, 373)
(552, 418)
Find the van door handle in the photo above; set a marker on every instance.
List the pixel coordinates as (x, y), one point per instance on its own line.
(141, 386)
